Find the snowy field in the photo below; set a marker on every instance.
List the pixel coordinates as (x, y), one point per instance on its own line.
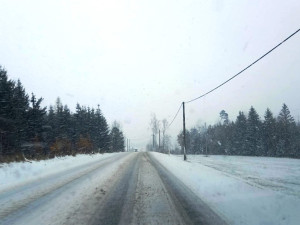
(244, 190)
(20, 173)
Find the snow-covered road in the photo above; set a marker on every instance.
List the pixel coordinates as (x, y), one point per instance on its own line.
(151, 188)
(124, 188)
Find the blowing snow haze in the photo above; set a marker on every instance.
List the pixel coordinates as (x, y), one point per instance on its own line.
(135, 58)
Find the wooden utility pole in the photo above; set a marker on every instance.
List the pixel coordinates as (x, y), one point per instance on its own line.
(159, 140)
(205, 140)
(163, 144)
(152, 142)
(127, 145)
(184, 138)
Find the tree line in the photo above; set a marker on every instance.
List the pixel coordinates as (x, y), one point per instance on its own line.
(161, 141)
(29, 130)
(248, 135)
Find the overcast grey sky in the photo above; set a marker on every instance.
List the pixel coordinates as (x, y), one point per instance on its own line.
(135, 58)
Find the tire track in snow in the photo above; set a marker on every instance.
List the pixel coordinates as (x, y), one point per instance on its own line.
(14, 200)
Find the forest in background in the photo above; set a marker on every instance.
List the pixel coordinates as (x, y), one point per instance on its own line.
(30, 131)
(248, 135)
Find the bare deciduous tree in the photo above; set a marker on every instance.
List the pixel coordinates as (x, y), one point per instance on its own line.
(165, 125)
(154, 125)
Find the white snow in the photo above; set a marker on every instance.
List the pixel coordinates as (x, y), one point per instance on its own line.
(243, 190)
(19, 173)
(50, 181)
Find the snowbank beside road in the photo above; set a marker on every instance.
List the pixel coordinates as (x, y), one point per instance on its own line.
(278, 174)
(224, 184)
(19, 173)
(68, 196)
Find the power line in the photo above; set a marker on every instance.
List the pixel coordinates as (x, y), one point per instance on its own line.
(175, 115)
(245, 68)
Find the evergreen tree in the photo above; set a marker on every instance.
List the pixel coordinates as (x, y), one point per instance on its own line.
(253, 134)
(59, 119)
(247, 136)
(103, 132)
(66, 122)
(7, 123)
(224, 117)
(51, 124)
(116, 139)
(20, 109)
(6, 95)
(297, 142)
(93, 127)
(180, 141)
(269, 134)
(78, 121)
(35, 118)
(194, 141)
(23, 120)
(97, 127)
(239, 135)
(286, 133)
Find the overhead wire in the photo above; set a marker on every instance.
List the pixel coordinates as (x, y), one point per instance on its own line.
(175, 115)
(244, 68)
(234, 76)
